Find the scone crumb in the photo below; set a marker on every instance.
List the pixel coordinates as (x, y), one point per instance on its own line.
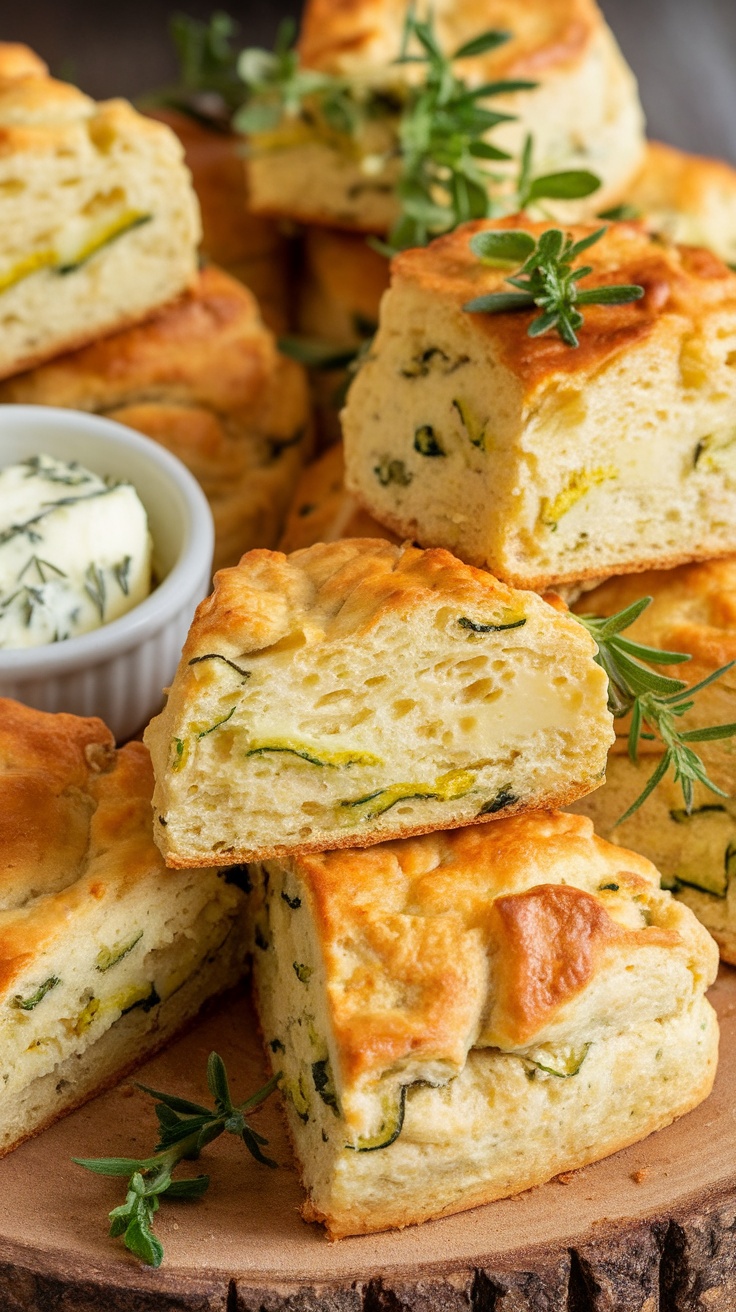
(640, 1176)
(567, 1177)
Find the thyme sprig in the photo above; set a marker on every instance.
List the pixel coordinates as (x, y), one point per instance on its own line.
(655, 701)
(546, 279)
(185, 1128)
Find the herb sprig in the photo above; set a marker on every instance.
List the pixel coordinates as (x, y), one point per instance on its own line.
(208, 88)
(546, 279)
(185, 1128)
(655, 701)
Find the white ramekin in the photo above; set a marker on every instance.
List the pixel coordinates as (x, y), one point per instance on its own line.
(118, 671)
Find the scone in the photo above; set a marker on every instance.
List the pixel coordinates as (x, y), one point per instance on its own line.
(461, 1016)
(104, 954)
(359, 691)
(695, 853)
(545, 463)
(688, 198)
(693, 610)
(322, 511)
(246, 245)
(203, 378)
(99, 221)
(583, 113)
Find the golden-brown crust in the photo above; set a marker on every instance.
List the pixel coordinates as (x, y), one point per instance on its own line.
(672, 179)
(203, 378)
(346, 270)
(18, 62)
(422, 916)
(322, 511)
(682, 285)
(342, 36)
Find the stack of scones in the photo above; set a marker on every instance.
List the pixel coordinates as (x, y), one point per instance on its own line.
(381, 779)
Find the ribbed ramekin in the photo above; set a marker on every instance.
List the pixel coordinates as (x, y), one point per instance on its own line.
(118, 671)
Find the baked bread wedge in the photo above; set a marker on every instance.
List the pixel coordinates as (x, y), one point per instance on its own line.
(104, 954)
(322, 511)
(359, 691)
(584, 111)
(545, 463)
(204, 378)
(693, 610)
(461, 1016)
(688, 198)
(98, 220)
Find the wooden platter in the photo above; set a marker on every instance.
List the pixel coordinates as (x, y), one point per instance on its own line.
(652, 1229)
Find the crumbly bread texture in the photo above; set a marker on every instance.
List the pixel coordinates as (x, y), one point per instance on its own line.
(696, 853)
(359, 691)
(203, 378)
(251, 248)
(98, 217)
(693, 610)
(461, 1016)
(545, 463)
(584, 111)
(322, 511)
(104, 953)
(688, 198)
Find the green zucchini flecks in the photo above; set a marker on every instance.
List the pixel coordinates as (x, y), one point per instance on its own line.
(427, 443)
(682, 817)
(324, 1083)
(302, 972)
(563, 1065)
(151, 1000)
(28, 1004)
(108, 957)
(239, 876)
(118, 230)
(612, 888)
(449, 787)
(293, 902)
(475, 432)
(216, 656)
(432, 358)
(218, 723)
(299, 1097)
(503, 798)
(392, 471)
(276, 1046)
(476, 627)
(389, 1129)
(313, 755)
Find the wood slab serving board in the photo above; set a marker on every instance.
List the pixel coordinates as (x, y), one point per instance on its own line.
(652, 1229)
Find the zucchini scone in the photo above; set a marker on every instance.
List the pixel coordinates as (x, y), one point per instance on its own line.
(204, 378)
(688, 198)
(358, 691)
(461, 1016)
(99, 221)
(334, 159)
(104, 953)
(545, 463)
(693, 610)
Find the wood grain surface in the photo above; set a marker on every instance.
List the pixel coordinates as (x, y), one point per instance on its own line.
(652, 1229)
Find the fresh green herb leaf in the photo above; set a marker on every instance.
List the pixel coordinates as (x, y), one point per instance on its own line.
(392, 471)
(654, 702)
(185, 1128)
(548, 280)
(427, 443)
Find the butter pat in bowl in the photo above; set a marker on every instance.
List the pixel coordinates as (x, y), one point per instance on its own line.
(103, 636)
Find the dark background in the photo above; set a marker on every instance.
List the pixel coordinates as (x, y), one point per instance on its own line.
(683, 52)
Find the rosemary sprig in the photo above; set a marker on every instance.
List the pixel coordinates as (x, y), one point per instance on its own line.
(185, 1128)
(443, 127)
(655, 702)
(546, 279)
(208, 87)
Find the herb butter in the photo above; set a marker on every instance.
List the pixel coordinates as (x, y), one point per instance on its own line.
(75, 551)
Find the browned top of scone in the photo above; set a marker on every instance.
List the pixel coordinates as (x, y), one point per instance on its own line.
(322, 510)
(484, 936)
(358, 36)
(683, 286)
(18, 61)
(673, 179)
(336, 590)
(75, 821)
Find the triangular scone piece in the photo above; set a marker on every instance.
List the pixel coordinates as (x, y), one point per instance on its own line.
(104, 953)
(550, 464)
(461, 1016)
(357, 691)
